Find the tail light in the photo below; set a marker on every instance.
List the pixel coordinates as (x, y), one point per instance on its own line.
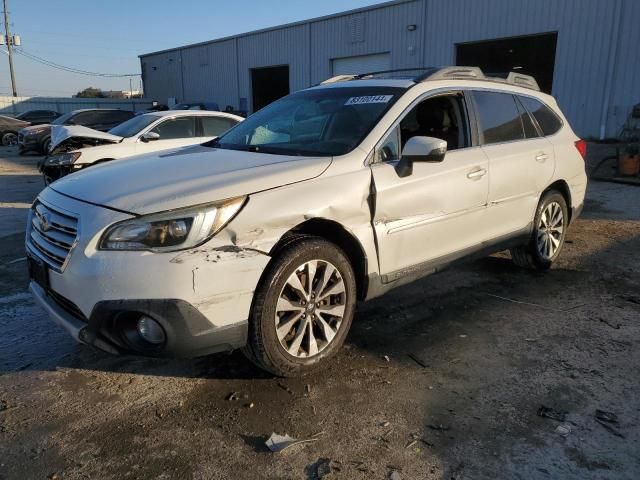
(581, 145)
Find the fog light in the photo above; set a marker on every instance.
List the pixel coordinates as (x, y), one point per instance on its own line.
(151, 330)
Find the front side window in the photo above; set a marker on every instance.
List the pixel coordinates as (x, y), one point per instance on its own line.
(182, 127)
(443, 116)
(498, 117)
(547, 120)
(317, 122)
(216, 126)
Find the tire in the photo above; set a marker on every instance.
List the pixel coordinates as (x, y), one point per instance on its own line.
(44, 146)
(310, 333)
(9, 139)
(547, 238)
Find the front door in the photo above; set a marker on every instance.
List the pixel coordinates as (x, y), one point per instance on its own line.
(174, 132)
(438, 211)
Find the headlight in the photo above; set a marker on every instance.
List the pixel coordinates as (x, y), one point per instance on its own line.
(174, 230)
(63, 159)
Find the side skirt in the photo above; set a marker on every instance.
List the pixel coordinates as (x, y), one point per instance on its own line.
(381, 284)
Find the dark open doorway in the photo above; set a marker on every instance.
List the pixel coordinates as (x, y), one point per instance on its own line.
(532, 55)
(269, 84)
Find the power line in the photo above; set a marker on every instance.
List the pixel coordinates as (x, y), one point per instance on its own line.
(78, 71)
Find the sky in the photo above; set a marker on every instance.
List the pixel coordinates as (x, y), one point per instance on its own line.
(107, 36)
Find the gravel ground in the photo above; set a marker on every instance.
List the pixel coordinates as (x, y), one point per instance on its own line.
(441, 379)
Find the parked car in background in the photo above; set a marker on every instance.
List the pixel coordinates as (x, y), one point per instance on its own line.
(38, 138)
(266, 237)
(37, 117)
(74, 147)
(9, 128)
(196, 106)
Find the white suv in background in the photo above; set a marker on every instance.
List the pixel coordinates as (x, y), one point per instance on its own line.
(74, 147)
(266, 237)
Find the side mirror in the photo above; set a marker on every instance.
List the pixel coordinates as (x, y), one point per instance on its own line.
(420, 149)
(150, 137)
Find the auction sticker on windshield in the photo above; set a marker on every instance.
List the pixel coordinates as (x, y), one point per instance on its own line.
(369, 99)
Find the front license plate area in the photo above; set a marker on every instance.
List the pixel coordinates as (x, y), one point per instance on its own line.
(38, 272)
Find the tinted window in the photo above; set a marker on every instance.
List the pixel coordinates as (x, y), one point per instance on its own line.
(498, 117)
(547, 120)
(215, 126)
(183, 127)
(530, 130)
(115, 117)
(83, 118)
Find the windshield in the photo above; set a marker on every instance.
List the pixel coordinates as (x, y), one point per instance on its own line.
(133, 126)
(62, 119)
(322, 122)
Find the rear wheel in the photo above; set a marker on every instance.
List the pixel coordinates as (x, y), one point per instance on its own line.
(550, 227)
(303, 308)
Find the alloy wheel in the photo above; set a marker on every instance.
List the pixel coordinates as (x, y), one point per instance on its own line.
(310, 309)
(550, 230)
(9, 139)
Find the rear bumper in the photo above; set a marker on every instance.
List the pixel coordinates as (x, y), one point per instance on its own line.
(188, 332)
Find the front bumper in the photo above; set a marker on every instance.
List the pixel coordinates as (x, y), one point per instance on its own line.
(28, 142)
(201, 297)
(188, 332)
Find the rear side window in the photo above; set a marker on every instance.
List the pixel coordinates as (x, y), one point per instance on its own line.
(547, 120)
(216, 126)
(181, 127)
(498, 117)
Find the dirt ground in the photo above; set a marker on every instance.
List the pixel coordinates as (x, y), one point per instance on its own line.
(441, 379)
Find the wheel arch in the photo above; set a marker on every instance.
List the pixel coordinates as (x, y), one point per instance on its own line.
(335, 233)
(563, 188)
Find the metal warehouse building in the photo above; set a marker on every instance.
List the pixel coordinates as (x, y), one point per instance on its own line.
(585, 52)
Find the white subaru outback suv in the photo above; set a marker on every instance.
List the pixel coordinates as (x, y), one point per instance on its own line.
(265, 238)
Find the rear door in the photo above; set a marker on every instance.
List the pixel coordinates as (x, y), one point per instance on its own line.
(521, 161)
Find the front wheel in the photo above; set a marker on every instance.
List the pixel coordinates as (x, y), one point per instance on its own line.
(302, 309)
(9, 139)
(547, 239)
(44, 146)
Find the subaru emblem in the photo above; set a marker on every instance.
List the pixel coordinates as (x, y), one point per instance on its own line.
(45, 222)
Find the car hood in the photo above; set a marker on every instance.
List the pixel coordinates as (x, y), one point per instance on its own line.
(44, 126)
(185, 177)
(11, 122)
(62, 133)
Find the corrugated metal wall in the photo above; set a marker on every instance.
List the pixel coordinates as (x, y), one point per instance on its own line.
(15, 105)
(596, 78)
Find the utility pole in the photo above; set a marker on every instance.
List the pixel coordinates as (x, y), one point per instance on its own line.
(130, 88)
(9, 48)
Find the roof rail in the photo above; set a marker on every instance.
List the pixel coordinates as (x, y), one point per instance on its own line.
(338, 78)
(447, 73)
(522, 80)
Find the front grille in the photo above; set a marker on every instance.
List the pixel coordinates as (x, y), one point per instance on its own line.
(51, 234)
(67, 305)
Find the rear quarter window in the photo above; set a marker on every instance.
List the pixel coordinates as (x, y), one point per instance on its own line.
(548, 121)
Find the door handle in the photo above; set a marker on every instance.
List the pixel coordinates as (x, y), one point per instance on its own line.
(477, 174)
(541, 157)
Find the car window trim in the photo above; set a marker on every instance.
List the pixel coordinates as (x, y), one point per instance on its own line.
(471, 120)
(480, 131)
(562, 124)
(533, 119)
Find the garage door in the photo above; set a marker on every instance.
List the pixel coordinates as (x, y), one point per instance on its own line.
(361, 64)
